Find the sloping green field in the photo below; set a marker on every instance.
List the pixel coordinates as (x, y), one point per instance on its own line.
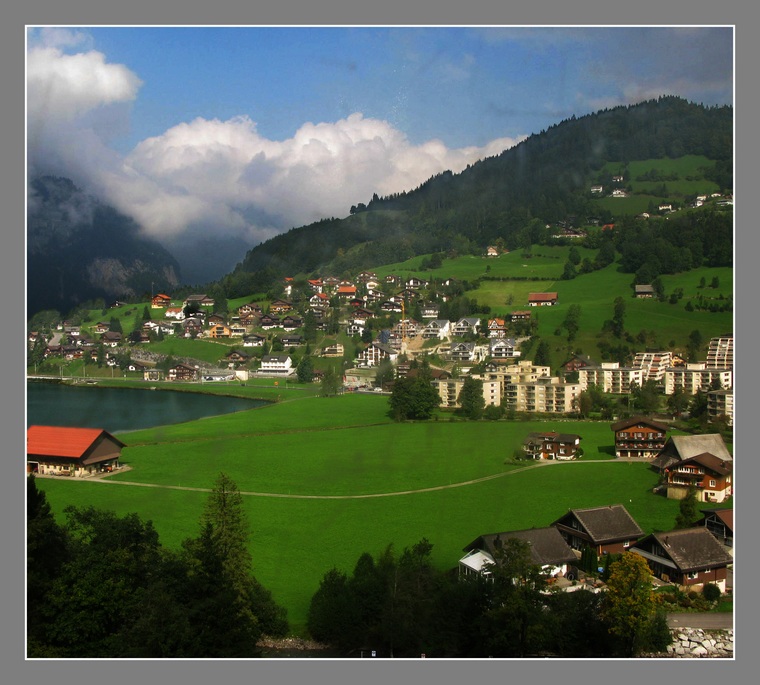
(333, 478)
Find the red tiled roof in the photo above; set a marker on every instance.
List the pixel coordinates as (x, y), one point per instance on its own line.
(62, 441)
(542, 296)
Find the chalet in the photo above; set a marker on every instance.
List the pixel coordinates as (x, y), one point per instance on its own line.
(492, 251)
(290, 323)
(407, 295)
(497, 328)
(280, 307)
(548, 550)
(542, 299)
(597, 189)
(357, 302)
(551, 445)
(375, 353)
(160, 301)
(639, 437)
(192, 326)
(331, 283)
(215, 319)
(577, 362)
(465, 325)
(690, 557)
(462, 352)
(392, 279)
(320, 300)
(415, 283)
(254, 340)
(267, 322)
(287, 286)
(237, 330)
(200, 300)
(617, 179)
(175, 313)
(503, 348)
(183, 372)
(249, 308)
(236, 357)
(137, 366)
(100, 327)
(249, 319)
(429, 310)
(153, 375)
(609, 529)
(391, 306)
(720, 522)
(521, 315)
(436, 329)
(618, 192)
(65, 451)
(346, 292)
(366, 276)
(644, 291)
(709, 475)
(315, 285)
(292, 340)
(681, 447)
(111, 338)
(334, 350)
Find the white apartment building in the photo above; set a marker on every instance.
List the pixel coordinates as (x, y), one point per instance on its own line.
(721, 403)
(654, 364)
(696, 376)
(450, 389)
(611, 377)
(551, 395)
(720, 352)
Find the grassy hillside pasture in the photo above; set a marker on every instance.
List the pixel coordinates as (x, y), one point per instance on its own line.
(289, 449)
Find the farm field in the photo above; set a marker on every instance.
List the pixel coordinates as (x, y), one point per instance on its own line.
(332, 475)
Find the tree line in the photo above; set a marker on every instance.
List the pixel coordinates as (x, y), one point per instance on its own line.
(102, 586)
(400, 605)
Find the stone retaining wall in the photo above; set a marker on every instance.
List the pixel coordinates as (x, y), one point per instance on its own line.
(696, 643)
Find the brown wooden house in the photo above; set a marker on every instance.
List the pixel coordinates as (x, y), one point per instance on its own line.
(688, 557)
(551, 445)
(709, 475)
(639, 437)
(609, 529)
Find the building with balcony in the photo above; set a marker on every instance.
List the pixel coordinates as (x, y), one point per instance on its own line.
(696, 377)
(639, 437)
(551, 445)
(611, 377)
(721, 403)
(654, 364)
(708, 475)
(720, 352)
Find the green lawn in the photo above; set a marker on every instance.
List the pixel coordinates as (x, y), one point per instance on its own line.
(328, 450)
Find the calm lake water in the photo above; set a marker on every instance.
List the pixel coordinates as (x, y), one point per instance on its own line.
(122, 409)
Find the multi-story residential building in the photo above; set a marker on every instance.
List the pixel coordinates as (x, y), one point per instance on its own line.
(654, 364)
(639, 437)
(549, 395)
(696, 376)
(375, 353)
(721, 403)
(503, 348)
(611, 377)
(465, 325)
(276, 365)
(709, 475)
(720, 352)
(497, 328)
(449, 390)
(439, 328)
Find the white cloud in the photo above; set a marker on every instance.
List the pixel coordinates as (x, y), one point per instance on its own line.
(221, 177)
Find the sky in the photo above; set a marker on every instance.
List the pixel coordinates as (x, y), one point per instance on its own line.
(245, 132)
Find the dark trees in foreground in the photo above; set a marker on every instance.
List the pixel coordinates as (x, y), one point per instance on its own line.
(102, 586)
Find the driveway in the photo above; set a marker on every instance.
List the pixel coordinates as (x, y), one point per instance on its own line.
(706, 621)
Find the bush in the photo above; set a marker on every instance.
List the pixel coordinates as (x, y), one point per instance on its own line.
(711, 592)
(693, 594)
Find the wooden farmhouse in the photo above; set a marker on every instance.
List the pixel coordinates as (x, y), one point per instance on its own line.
(639, 437)
(65, 451)
(609, 529)
(688, 557)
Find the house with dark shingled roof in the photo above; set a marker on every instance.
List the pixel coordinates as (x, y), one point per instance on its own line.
(609, 529)
(688, 557)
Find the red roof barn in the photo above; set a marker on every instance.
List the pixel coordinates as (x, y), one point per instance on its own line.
(64, 451)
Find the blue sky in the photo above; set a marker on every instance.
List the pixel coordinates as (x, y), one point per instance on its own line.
(247, 132)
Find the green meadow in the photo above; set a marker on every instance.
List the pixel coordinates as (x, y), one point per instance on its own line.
(326, 479)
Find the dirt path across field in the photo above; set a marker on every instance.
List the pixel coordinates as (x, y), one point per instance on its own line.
(367, 496)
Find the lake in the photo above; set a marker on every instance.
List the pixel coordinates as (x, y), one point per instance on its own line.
(122, 409)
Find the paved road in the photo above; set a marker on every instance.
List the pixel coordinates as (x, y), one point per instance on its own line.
(706, 621)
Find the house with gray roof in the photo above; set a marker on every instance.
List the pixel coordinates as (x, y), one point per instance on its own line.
(609, 529)
(681, 447)
(548, 550)
(688, 557)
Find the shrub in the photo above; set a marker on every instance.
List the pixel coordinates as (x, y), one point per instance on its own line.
(711, 592)
(693, 594)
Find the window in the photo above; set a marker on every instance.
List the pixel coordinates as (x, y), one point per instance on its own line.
(692, 575)
(712, 483)
(626, 544)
